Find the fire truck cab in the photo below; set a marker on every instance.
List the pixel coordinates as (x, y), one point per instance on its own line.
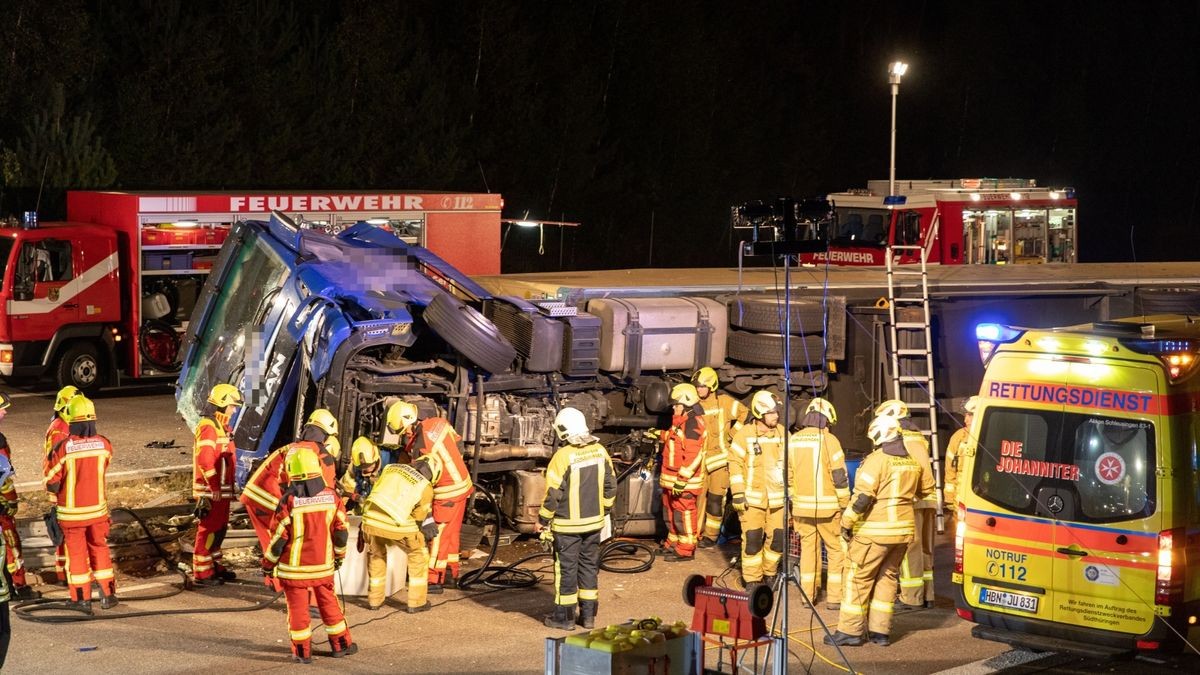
(960, 221)
(108, 294)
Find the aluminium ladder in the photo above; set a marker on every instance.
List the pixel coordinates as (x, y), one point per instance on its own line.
(912, 353)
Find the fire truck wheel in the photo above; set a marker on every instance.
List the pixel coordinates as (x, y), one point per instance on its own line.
(470, 332)
(761, 599)
(79, 366)
(764, 314)
(766, 349)
(689, 589)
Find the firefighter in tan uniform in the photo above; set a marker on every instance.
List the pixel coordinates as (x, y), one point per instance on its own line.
(399, 512)
(878, 525)
(820, 490)
(756, 480)
(723, 415)
(916, 572)
(954, 450)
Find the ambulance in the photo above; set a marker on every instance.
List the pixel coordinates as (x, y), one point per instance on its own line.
(1078, 521)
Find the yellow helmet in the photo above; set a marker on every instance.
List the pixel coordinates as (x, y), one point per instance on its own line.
(400, 416)
(64, 398)
(303, 464)
(762, 403)
(685, 394)
(435, 466)
(323, 420)
(223, 395)
(5, 401)
(706, 377)
(970, 405)
(81, 409)
(333, 446)
(363, 452)
(883, 428)
(892, 408)
(820, 405)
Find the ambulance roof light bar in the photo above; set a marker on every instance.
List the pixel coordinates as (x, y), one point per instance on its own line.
(992, 335)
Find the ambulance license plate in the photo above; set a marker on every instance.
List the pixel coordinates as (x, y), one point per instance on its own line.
(1017, 601)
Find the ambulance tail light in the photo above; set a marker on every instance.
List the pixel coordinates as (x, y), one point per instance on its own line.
(965, 614)
(1168, 585)
(1179, 357)
(960, 533)
(992, 335)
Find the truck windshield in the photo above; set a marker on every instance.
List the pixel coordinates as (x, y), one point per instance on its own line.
(1102, 468)
(233, 324)
(6, 247)
(862, 226)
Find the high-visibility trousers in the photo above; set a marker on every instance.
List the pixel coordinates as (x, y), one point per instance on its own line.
(916, 571)
(88, 558)
(813, 532)
(716, 489)
(210, 532)
(12, 550)
(762, 542)
(576, 567)
(872, 571)
(413, 546)
(299, 624)
(682, 514)
(443, 550)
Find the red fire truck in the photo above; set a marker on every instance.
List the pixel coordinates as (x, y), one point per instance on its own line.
(961, 221)
(108, 293)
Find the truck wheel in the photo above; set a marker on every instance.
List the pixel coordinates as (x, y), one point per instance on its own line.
(766, 349)
(468, 331)
(79, 366)
(766, 315)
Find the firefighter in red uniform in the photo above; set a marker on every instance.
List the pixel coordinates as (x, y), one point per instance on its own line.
(682, 478)
(57, 431)
(434, 436)
(308, 544)
(8, 523)
(75, 477)
(212, 484)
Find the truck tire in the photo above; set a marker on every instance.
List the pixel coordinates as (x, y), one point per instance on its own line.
(766, 349)
(468, 331)
(765, 315)
(80, 367)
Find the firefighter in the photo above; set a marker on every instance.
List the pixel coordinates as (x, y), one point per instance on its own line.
(58, 429)
(954, 450)
(434, 436)
(756, 480)
(75, 476)
(820, 491)
(916, 572)
(14, 565)
(723, 415)
(580, 488)
(682, 478)
(212, 484)
(5, 625)
(878, 525)
(399, 512)
(308, 544)
(361, 475)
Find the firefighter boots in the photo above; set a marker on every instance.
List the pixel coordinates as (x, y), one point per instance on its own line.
(24, 592)
(841, 639)
(587, 613)
(880, 639)
(563, 618)
(302, 652)
(109, 601)
(342, 646)
(420, 608)
(84, 606)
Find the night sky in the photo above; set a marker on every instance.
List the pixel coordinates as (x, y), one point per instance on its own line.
(616, 114)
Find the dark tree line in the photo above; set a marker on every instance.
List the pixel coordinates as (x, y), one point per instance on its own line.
(630, 117)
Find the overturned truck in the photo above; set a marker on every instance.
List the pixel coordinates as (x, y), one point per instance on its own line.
(300, 319)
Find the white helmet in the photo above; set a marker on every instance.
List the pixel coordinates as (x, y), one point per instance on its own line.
(762, 403)
(882, 429)
(685, 394)
(970, 405)
(820, 405)
(893, 408)
(569, 423)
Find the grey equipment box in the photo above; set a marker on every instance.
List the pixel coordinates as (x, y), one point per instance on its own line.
(581, 345)
(680, 656)
(537, 337)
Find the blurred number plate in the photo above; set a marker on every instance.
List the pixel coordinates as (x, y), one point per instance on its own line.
(1024, 603)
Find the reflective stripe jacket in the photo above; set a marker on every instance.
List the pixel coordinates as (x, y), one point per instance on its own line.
(399, 502)
(817, 474)
(881, 507)
(212, 461)
(722, 417)
(265, 485)
(75, 479)
(954, 450)
(918, 448)
(308, 534)
(580, 488)
(756, 465)
(435, 436)
(58, 430)
(683, 451)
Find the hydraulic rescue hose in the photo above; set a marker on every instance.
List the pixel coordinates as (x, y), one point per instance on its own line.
(31, 610)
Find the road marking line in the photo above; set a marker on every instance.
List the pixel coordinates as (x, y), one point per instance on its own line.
(116, 474)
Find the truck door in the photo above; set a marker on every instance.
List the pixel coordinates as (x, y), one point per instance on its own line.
(43, 290)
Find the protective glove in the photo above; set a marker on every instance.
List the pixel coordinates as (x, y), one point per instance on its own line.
(652, 434)
(739, 502)
(352, 505)
(678, 488)
(546, 538)
(268, 567)
(337, 563)
(430, 530)
(847, 533)
(203, 507)
(11, 508)
(361, 543)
